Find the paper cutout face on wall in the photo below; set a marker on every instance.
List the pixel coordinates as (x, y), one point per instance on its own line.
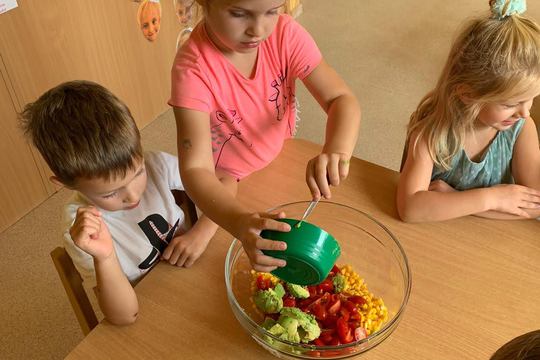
(188, 13)
(149, 18)
(185, 11)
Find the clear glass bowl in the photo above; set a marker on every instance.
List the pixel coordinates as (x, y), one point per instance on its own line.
(372, 251)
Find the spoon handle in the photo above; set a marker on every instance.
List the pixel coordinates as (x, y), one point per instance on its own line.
(308, 211)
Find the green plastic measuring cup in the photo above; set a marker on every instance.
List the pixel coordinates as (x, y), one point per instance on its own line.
(311, 252)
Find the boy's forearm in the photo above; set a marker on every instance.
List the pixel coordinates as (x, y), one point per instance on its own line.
(343, 125)
(116, 296)
(437, 206)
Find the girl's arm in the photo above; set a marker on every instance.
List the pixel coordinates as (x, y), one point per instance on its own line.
(497, 215)
(526, 156)
(212, 197)
(185, 249)
(342, 126)
(416, 203)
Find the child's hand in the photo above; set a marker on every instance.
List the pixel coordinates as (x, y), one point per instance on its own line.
(185, 249)
(440, 186)
(250, 227)
(90, 233)
(513, 199)
(325, 170)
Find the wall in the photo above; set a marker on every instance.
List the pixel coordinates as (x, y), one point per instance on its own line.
(44, 43)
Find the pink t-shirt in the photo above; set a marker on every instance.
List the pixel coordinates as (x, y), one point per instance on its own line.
(249, 118)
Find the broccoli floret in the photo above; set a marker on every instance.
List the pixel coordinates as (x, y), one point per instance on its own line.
(277, 330)
(298, 291)
(270, 301)
(339, 283)
(291, 329)
(307, 328)
(268, 323)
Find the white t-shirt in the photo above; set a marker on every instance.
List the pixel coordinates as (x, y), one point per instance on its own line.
(139, 235)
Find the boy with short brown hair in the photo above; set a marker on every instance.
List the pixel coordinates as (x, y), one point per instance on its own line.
(122, 217)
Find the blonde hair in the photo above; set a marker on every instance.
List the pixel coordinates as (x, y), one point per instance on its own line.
(289, 8)
(491, 60)
(83, 131)
(147, 4)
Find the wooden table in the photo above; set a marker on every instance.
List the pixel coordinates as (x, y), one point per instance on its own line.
(476, 282)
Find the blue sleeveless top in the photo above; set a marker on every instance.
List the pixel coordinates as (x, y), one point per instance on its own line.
(494, 167)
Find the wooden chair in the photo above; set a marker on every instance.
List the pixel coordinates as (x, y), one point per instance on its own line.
(182, 199)
(72, 281)
(74, 289)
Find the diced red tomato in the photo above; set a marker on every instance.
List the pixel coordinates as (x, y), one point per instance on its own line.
(360, 333)
(349, 305)
(289, 301)
(344, 331)
(345, 314)
(327, 335)
(319, 311)
(326, 298)
(335, 341)
(339, 316)
(264, 283)
(323, 296)
(354, 324)
(304, 304)
(319, 342)
(341, 326)
(330, 322)
(260, 282)
(355, 315)
(357, 299)
(333, 306)
(349, 338)
(317, 301)
(326, 286)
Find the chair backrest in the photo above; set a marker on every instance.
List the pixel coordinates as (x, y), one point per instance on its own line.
(182, 199)
(72, 282)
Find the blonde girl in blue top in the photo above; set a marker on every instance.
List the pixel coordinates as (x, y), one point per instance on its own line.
(472, 145)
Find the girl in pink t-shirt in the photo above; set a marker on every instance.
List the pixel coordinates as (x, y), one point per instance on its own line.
(233, 93)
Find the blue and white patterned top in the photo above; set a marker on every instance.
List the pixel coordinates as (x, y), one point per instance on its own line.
(494, 168)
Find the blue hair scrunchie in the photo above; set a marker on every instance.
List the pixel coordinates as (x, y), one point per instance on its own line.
(504, 8)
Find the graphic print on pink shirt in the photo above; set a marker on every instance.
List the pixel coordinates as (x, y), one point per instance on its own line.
(227, 130)
(282, 97)
(250, 118)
